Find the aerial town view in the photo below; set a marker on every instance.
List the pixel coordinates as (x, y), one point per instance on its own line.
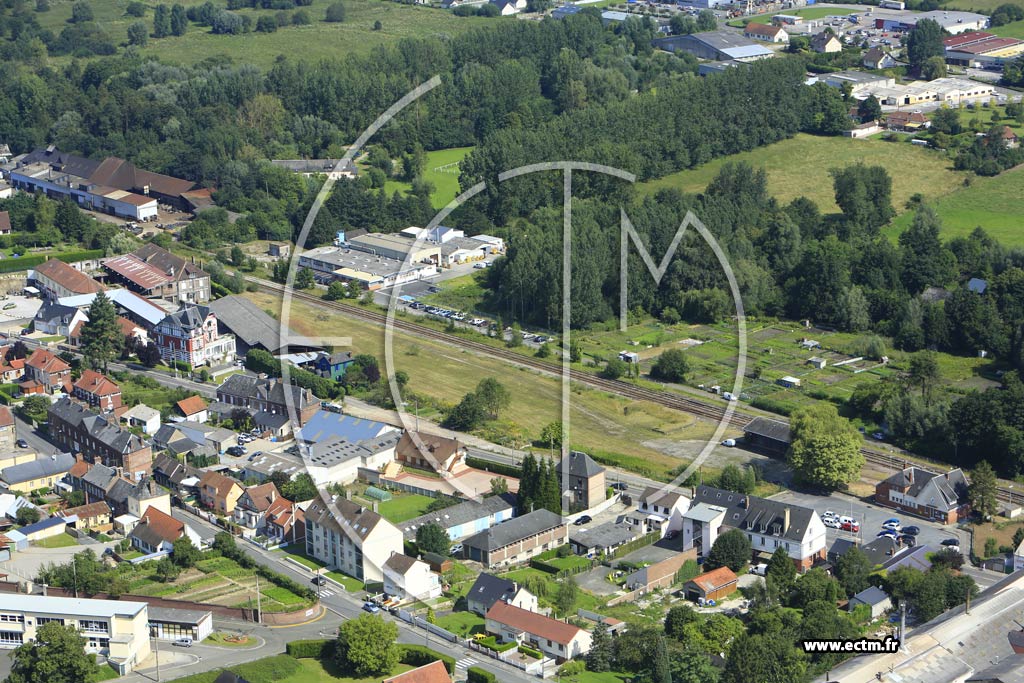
(492, 341)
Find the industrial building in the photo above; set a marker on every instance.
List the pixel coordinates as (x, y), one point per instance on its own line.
(951, 21)
(715, 46)
(982, 50)
(365, 269)
(396, 247)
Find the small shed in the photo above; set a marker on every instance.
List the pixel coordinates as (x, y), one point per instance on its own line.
(279, 249)
(817, 362)
(629, 356)
(713, 585)
(788, 381)
(873, 597)
(769, 436)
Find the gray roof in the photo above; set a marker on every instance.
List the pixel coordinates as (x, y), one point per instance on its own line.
(457, 515)
(271, 390)
(177, 616)
(100, 476)
(37, 469)
(703, 512)
(40, 525)
(871, 595)
(580, 465)
(750, 512)
(515, 530)
(335, 450)
(723, 40)
(977, 285)
(253, 325)
(771, 429)
(99, 427)
(880, 550)
(488, 589)
(1009, 670)
(607, 535)
(950, 487)
(353, 519)
(51, 311)
(267, 463)
(190, 316)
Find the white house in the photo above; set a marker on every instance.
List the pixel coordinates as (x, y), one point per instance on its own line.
(410, 579)
(552, 637)
(142, 416)
(1018, 557)
(489, 589)
(157, 532)
(337, 460)
(701, 526)
(658, 511)
(351, 538)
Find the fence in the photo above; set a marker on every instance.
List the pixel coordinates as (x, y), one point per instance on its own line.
(513, 658)
(411, 618)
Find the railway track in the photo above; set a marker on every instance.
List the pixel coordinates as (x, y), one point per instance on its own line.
(694, 406)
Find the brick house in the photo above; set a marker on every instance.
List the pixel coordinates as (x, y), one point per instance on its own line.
(582, 481)
(190, 335)
(45, 373)
(917, 491)
(76, 429)
(517, 540)
(267, 397)
(152, 271)
(98, 391)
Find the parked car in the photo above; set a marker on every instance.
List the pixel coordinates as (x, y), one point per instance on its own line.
(892, 526)
(21, 443)
(887, 533)
(729, 442)
(671, 534)
(183, 642)
(620, 486)
(911, 530)
(759, 570)
(319, 580)
(850, 526)
(583, 519)
(236, 451)
(951, 543)
(456, 549)
(831, 523)
(370, 607)
(908, 540)
(891, 520)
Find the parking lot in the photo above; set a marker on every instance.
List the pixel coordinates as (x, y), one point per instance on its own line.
(871, 516)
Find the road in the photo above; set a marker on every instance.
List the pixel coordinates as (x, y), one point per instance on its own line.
(343, 606)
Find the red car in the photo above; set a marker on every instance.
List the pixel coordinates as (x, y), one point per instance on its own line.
(851, 526)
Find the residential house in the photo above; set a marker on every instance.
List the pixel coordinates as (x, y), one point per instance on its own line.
(907, 121)
(659, 511)
(594, 541)
(658, 575)
(116, 629)
(768, 525)
(219, 492)
(582, 481)
(410, 579)
(145, 495)
(917, 491)
(94, 480)
(173, 474)
(1010, 139)
(100, 438)
(877, 58)
(431, 452)
(557, 639)
(765, 32)
(330, 365)
(8, 433)
(142, 416)
(41, 473)
(873, 597)
(56, 319)
(190, 335)
(435, 672)
(716, 584)
(517, 540)
(826, 43)
(97, 391)
(285, 522)
(46, 373)
(251, 508)
(157, 531)
(269, 398)
(56, 279)
(90, 517)
(489, 589)
(351, 538)
(11, 369)
(466, 518)
(194, 408)
(154, 272)
(702, 524)
(5, 222)
(336, 460)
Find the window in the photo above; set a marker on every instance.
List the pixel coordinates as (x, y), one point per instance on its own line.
(10, 638)
(46, 620)
(90, 625)
(16, 618)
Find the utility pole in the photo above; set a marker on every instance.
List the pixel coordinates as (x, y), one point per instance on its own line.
(157, 645)
(259, 602)
(74, 569)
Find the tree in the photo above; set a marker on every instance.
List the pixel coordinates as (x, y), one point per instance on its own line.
(301, 488)
(493, 396)
(432, 538)
(925, 41)
(852, 570)
(671, 366)
(34, 408)
(138, 33)
(706, 20)
(102, 340)
(934, 67)
(161, 21)
(864, 193)
(813, 586)
(566, 595)
(366, 646)
(661, 671)
(184, 553)
(765, 659)
(924, 373)
(336, 291)
(499, 485)
(335, 13)
(149, 355)
(599, 658)
(983, 490)
(781, 571)
(731, 549)
(27, 515)
(1018, 537)
(179, 20)
(304, 278)
(869, 109)
(81, 12)
(614, 369)
(55, 656)
(267, 24)
(551, 435)
(682, 24)
(734, 479)
(825, 448)
(469, 414)
(166, 570)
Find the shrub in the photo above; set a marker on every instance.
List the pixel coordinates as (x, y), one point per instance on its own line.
(529, 651)
(310, 649)
(421, 655)
(475, 674)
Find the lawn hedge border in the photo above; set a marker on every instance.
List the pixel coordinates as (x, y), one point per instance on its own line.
(475, 674)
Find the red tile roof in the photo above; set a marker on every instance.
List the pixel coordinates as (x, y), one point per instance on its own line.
(64, 275)
(162, 524)
(762, 29)
(966, 38)
(46, 361)
(6, 417)
(435, 672)
(191, 405)
(80, 469)
(97, 384)
(715, 579)
(533, 623)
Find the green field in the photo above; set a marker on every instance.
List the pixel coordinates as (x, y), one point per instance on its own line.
(318, 671)
(461, 293)
(1012, 30)
(315, 41)
(58, 541)
(401, 508)
(440, 173)
(995, 204)
(800, 166)
(979, 6)
(809, 13)
(461, 623)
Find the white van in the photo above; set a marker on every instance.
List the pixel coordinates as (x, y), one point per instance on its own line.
(846, 520)
(759, 570)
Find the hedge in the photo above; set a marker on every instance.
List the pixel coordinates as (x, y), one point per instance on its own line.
(543, 566)
(641, 542)
(13, 265)
(266, 670)
(310, 649)
(494, 467)
(491, 643)
(420, 655)
(536, 654)
(475, 674)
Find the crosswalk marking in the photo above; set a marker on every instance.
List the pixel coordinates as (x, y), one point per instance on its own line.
(326, 594)
(465, 663)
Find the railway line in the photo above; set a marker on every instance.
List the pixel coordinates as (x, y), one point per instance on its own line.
(694, 406)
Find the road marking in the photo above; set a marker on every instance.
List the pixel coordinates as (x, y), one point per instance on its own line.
(465, 663)
(326, 594)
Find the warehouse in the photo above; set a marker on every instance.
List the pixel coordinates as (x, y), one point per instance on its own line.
(397, 247)
(953, 22)
(982, 50)
(363, 268)
(715, 46)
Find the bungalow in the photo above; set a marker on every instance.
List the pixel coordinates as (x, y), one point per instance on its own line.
(557, 639)
(407, 578)
(659, 511)
(466, 518)
(873, 597)
(765, 32)
(194, 408)
(157, 531)
(489, 589)
(141, 416)
(917, 491)
(713, 585)
(219, 492)
(44, 528)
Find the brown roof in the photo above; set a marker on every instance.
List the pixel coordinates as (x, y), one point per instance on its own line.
(440, 447)
(263, 496)
(96, 384)
(715, 579)
(124, 175)
(128, 328)
(73, 280)
(191, 405)
(5, 221)
(46, 361)
(762, 29)
(435, 672)
(6, 417)
(162, 524)
(400, 563)
(80, 469)
(167, 262)
(533, 623)
(222, 483)
(89, 510)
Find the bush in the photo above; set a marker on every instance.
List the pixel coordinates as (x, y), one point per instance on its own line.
(529, 651)
(475, 674)
(311, 649)
(493, 467)
(421, 655)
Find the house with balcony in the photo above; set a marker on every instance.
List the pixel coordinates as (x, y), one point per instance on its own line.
(190, 335)
(350, 538)
(658, 510)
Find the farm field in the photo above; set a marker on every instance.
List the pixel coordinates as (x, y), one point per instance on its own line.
(995, 204)
(318, 40)
(980, 6)
(439, 172)
(798, 166)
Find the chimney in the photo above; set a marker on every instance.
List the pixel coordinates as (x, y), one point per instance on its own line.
(785, 520)
(910, 473)
(947, 476)
(743, 502)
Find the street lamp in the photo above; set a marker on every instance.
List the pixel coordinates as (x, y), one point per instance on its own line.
(156, 640)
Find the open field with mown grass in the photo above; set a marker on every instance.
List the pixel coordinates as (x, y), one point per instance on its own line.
(601, 422)
(315, 41)
(808, 13)
(800, 166)
(1014, 29)
(440, 173)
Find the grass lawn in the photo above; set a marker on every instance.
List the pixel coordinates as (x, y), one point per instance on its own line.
(298, 553)
(401, 508)
(603, 677)
(1014, 29)
(461, 623)
(995, 204)
(442, 172)
(979, 6)
(58, 541)
(461, 293)
(1001, 530)
(800, 166)
(351, 584)
(314, 671)
(228, 640)
(809, 13)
